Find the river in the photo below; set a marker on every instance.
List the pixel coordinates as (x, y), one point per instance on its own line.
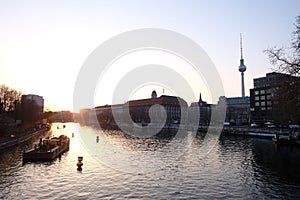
(117, 166)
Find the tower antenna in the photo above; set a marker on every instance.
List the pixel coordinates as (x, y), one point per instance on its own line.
(241, 44)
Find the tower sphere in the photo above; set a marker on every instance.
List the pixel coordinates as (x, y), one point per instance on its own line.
(242, 67)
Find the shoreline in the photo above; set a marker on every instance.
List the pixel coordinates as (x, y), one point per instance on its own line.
(10, 142)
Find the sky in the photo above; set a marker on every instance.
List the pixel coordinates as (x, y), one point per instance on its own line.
(43, 44)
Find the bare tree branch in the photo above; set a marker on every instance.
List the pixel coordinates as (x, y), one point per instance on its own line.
(283, 61)
(287, 61)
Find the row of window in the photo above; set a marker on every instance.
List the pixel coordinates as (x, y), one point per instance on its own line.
(262, 92)
(263, 103)
(258, 98)
(266, 108)
(261, 108)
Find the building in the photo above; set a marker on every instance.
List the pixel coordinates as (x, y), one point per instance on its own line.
(87, 116)
(37, 100)
(141, 111)
(62, 116)
(237, 110)
(200, 110)
(173, 106)
(275, 98)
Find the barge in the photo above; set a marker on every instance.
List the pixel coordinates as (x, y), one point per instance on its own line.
(48, 149)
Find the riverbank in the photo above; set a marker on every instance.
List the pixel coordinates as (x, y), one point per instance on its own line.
(20, 138)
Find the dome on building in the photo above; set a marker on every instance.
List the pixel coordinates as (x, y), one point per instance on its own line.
(154, 94)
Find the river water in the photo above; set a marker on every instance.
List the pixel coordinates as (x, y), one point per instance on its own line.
(117, 166)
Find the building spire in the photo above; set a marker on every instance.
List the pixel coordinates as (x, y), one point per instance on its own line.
(200, 100)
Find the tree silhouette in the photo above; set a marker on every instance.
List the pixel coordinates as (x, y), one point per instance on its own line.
(287, 60)
(286, 101)
(9, 98)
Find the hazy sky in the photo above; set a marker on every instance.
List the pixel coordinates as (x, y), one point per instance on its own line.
(43, 44)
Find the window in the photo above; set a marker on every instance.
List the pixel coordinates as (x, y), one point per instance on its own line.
(269, 103)
(256, 103)
(262, 91)
(263, 108)
(263, 103)
(257, 98)
(256, 92)
(269, 97)
(262, 98)
(269, 108)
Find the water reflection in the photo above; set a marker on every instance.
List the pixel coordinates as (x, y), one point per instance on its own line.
(235, 168)
(277, 166)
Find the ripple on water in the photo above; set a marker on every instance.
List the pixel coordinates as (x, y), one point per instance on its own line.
(236, 168)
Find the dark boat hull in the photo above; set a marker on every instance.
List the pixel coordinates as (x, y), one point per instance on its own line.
(38, 155)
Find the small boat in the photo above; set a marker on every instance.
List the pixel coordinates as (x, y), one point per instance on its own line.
(47, 149)
(260, 134)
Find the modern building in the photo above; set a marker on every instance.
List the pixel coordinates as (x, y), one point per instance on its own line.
(275, 98)
(37, 100)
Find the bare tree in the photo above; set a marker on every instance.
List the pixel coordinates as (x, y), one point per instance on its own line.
(287, 60)
(9, 98)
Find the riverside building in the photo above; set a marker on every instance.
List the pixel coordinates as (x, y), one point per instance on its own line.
(140, 111)
(275, 98)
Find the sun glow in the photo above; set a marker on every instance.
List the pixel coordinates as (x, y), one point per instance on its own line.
(126, 64)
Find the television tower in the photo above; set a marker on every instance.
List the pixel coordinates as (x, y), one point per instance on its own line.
(242, 67)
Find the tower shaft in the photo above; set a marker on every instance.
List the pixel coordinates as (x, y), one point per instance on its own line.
(243, 84)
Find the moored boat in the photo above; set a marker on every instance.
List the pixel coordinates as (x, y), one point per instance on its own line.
(261, 134)
(47, 149)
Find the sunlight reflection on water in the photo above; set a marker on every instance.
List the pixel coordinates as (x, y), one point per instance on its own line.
(235, 168)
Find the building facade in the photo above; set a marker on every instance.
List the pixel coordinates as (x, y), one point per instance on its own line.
(237, 110)
(200, 110)
(142, 111)
(275, 98)
(37, 100)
